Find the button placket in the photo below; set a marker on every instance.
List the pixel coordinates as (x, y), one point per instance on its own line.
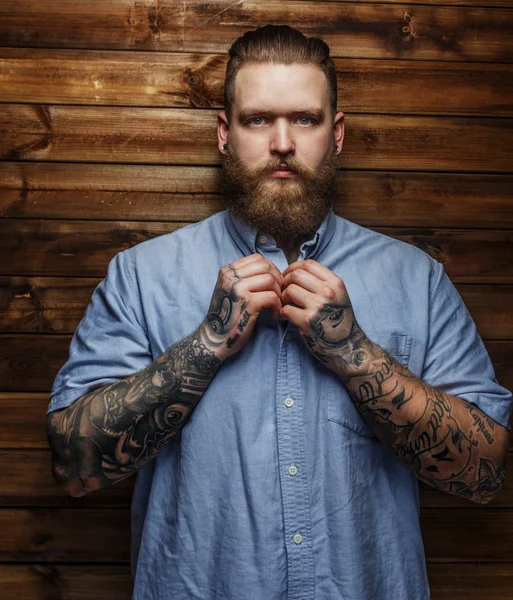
(295, 494)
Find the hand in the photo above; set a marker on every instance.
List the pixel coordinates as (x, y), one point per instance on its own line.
(317, 302)
(244, 288)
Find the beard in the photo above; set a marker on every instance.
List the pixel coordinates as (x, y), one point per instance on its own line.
(286, 209)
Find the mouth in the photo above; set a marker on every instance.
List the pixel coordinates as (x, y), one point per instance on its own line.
(283, 171)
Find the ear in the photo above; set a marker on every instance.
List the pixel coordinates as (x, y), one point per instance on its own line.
(338, 129)
(222, 130)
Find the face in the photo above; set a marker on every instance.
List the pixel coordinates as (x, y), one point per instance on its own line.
(280, 164)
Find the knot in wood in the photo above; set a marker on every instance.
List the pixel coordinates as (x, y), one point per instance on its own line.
(408, 29)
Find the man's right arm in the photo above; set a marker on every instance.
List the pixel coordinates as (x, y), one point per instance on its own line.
(111, 432)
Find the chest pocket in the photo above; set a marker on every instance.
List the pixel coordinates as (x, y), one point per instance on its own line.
(341, 408)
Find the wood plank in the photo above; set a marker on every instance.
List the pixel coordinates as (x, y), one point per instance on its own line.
(189, 194)
(178, 80)
(67, 248)
(481, 3)
(350, 29)
(80, 582)
(491, 308)
(98, 535)
(29, 410)
(27, 481)
(102, 535)
(44, 304)
(56, 305)
(475, 581)
(474, 534)
(183, 136)
(448, 581)
(23, 420)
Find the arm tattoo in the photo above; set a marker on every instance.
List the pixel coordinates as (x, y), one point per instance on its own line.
(111, 432)
(445, 441)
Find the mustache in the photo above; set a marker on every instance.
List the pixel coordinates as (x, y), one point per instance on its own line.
(275, 163)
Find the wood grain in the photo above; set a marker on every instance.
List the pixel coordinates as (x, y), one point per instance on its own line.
(64, 248)
(350, 29)
(99, 535)
(448, 581)
(27, 481)
(56, 305)
(182, 136)
(475, 581)
(77, 582)
(29, 363)
(102, 535)
(179, 80)
(189, 194)
(22, 426)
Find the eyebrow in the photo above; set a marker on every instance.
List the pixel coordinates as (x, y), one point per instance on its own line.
(246, 113)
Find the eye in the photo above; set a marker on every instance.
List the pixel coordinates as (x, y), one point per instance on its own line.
(252, 121)
(308, 119)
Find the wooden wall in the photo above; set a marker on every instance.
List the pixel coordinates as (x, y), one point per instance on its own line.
(108, 137)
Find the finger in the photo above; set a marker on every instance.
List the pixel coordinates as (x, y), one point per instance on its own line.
(312, 266)
(305, 280)
(261, 300)
(292, 314)
(258, 283)
(257, 267)
(299, 296)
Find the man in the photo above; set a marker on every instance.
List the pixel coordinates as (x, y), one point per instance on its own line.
(330, 369)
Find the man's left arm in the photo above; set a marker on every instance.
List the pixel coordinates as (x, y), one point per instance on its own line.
(447, 442)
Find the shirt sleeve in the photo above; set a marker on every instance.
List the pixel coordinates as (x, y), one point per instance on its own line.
(110, 342)
(456, 361)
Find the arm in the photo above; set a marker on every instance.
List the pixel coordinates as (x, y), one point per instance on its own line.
(444, 440)
(110, 432)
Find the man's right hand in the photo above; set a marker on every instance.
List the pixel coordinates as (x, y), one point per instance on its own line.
(244, 288)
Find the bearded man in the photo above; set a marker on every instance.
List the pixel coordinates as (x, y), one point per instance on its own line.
(329, 369)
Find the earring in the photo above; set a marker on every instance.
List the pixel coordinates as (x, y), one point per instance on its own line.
(337, 149)
(223, 147)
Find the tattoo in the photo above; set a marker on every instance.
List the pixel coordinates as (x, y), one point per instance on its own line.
(244, 321)
(232, 340)
(481, 425)
(427, 430)
(337, 340)
(111, 432)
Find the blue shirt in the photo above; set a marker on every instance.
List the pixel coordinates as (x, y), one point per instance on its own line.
(277, 488)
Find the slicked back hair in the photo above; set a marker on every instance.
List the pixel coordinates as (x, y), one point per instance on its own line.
(279, 44)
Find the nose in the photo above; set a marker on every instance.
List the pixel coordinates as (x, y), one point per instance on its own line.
(282, 142)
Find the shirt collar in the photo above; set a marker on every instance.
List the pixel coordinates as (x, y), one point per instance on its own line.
(247, 237)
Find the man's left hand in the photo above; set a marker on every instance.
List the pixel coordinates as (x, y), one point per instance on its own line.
(316, 301)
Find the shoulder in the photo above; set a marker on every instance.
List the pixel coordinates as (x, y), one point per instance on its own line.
(380, 251)
(181, 244)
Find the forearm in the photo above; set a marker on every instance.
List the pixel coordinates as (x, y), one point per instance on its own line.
(445, 441)
(111, 432)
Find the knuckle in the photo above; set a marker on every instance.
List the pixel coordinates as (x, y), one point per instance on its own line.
(328, 292)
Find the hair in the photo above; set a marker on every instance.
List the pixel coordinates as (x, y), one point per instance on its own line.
(280, 44)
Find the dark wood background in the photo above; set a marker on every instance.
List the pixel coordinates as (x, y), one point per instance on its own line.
(108, 138)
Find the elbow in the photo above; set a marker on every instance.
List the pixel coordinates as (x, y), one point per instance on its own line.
(68, 481)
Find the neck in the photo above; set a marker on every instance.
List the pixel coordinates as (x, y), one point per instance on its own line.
(291, 247)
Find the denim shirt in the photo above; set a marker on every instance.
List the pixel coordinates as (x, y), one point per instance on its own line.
(277, 488)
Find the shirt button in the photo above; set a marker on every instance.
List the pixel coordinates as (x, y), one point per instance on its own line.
(292, 470)
(288, 337)
(298, 538)
(289, 402)
(262, 239)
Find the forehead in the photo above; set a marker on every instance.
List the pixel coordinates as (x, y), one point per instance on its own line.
(280, 87)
